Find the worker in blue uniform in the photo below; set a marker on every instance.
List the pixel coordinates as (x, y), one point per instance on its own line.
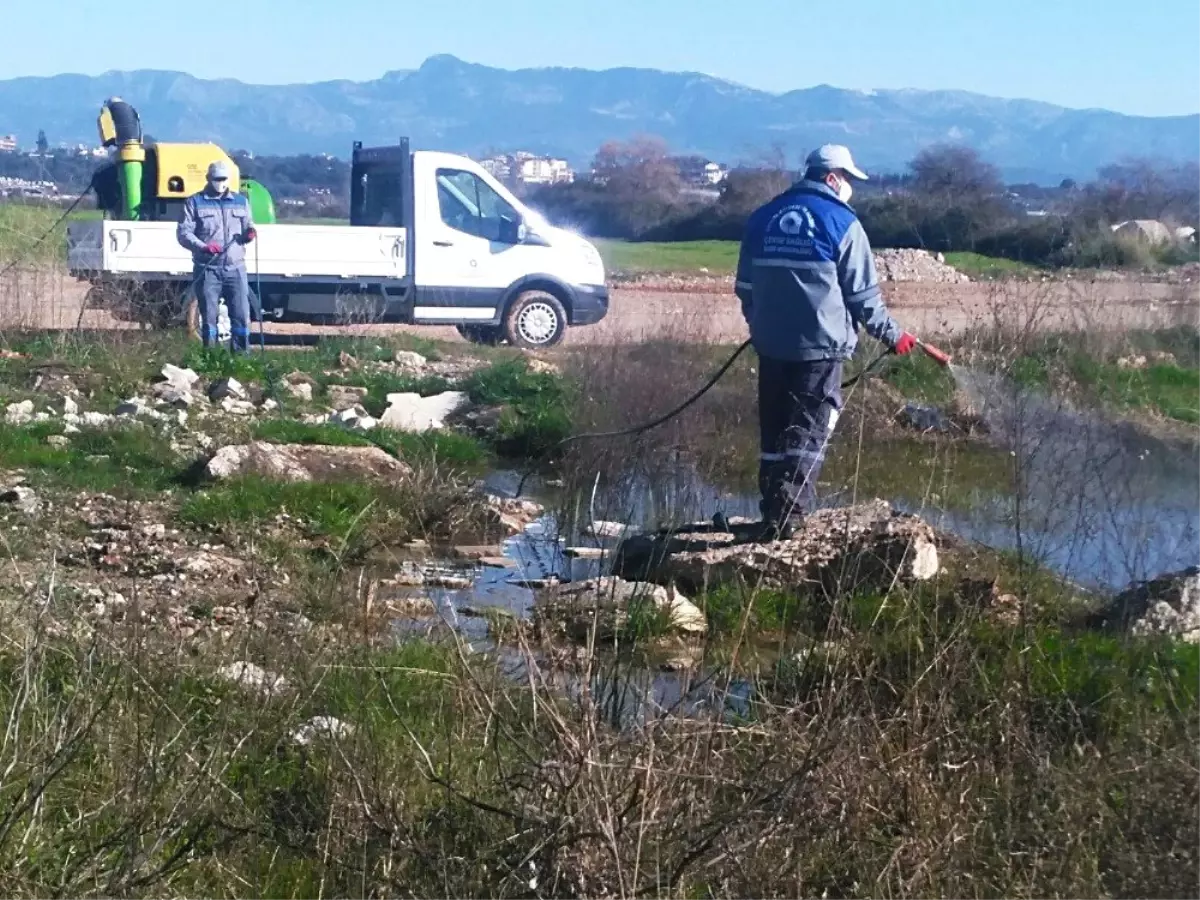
(215, 226)
(806, 279)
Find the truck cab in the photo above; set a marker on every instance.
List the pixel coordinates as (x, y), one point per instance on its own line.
(480, 258)
(433, 239)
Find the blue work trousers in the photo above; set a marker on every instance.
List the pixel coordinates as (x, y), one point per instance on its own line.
(214, 282)
(798, 407)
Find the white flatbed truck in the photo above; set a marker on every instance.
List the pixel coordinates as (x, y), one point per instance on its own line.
(433, 239)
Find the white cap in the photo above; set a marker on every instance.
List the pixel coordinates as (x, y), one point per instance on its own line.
(835, 156)
(218, 169)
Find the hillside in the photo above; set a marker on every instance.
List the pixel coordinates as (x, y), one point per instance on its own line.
(475, 109)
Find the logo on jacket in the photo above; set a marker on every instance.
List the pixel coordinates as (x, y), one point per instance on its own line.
(797, 220)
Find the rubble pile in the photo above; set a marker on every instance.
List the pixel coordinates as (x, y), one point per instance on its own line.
(865, 547)
(916, 265)
(1166, 605)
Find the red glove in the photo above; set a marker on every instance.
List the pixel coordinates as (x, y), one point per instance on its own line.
(905, 344)
(213, 247)
(250, 235)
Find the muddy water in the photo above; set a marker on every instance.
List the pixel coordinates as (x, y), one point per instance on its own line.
(1100, 503)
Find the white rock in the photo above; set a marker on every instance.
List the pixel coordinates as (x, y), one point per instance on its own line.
(70, 428)
(57, 440)
(95, 419)
(321, 726)
(248, 675)
(70, 407)
(236, 407)
(407, 359)
(302, 391)
(348, 416)
(412, 412)
(19, 413)
(269, 405)
(304, 462)
(181, 379)
(21, 497)
(1171, 605)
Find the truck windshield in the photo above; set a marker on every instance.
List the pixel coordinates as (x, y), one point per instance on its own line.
(468, 204)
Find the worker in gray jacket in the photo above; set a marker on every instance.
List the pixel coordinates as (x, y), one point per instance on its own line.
(806, 280)
(216, 225)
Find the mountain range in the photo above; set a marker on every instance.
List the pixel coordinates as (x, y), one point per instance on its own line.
(454, 105)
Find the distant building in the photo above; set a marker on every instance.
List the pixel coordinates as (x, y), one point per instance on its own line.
(497, 166)
(699, 171)
(8, 143)
(537, 170)
(528, 168)
(85, 150)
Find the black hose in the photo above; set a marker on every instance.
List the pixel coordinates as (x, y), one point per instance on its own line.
(869, 369)
(667, 416)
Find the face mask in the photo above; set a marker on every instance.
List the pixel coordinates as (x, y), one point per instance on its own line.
(845, 190)
(218, 187)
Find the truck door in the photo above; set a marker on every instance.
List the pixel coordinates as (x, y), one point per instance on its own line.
(467, 252)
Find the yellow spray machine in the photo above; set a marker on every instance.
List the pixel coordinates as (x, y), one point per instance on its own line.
(149, 180)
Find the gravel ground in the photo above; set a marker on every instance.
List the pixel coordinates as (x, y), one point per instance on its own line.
(704, 311)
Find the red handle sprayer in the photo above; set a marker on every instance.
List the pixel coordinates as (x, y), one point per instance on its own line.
(941, 357)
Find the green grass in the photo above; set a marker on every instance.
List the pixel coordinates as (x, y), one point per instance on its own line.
(719, 257)
(980, 267)
(920, 379)
(337, 509)
(123, 459)
(315, 362)
(537, 407)
(21, 227)
(1164, 389)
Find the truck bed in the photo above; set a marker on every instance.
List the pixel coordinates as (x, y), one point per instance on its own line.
(149, 250)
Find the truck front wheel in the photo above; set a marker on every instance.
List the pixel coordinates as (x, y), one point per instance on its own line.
(535, 320)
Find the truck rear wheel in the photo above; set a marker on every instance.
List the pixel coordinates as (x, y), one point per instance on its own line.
(535, 320)
(487, 335)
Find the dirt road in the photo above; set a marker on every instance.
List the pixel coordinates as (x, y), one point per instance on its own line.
(708, 313)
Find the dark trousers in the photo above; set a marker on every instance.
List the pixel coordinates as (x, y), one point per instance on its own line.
(798, 407)
(230, 281)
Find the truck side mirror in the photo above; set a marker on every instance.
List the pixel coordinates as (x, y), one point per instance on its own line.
(512, 232)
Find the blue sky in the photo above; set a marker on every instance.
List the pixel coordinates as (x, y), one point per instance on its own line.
(1136, 58)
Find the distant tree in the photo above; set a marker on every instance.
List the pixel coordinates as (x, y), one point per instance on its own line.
(641, 181)
(950, 170)
(43, 145)
(1142, 189)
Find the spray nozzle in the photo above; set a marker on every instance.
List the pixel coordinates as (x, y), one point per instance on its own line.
(941, 357)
